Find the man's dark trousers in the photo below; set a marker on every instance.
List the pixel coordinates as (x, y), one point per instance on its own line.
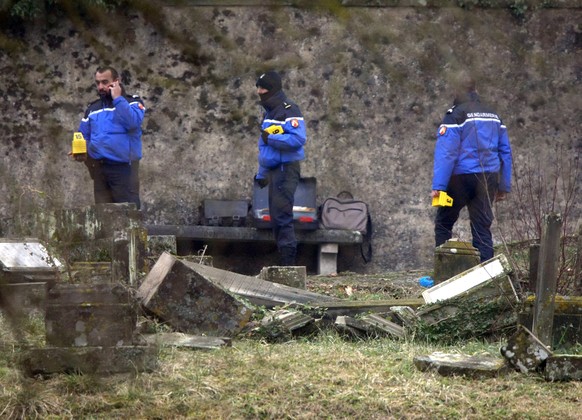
(477, 192)
(283, 181)
(111, 181)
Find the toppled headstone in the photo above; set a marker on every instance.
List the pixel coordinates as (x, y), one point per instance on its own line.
(524, 351)
(475, 366)
(190, 303)
(257, 291)
(293, 276)
(563, 367)
(198, 342)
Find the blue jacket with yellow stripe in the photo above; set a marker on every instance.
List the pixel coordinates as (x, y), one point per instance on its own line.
(287, 146)
(112, 128)
(471, 139)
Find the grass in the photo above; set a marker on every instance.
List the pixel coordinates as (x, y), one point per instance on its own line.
(324, 376)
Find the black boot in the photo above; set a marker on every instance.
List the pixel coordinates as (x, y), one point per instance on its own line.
(288, 255)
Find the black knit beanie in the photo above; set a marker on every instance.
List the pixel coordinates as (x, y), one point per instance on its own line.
(270, 81)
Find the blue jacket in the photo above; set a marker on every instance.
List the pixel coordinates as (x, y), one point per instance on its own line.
(288, 146)
(112, 128)
(471, 139)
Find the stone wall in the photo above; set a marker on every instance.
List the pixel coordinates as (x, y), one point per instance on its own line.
(372, 82)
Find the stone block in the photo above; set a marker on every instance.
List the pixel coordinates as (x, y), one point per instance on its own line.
(563, 368)
(294, 276)
(89, 315)
(190, 303)
(89, 360)
(327, 259)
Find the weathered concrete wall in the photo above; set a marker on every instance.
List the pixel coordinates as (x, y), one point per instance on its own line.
(372, 83)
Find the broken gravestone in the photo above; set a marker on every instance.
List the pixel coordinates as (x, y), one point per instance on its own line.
(190, 303)
(524, 351)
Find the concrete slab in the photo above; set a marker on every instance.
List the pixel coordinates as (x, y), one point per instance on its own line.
(180, 296)
(475, 366)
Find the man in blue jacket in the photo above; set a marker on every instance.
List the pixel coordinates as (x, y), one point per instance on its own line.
(472, 163)
(112, 128)
(281, 144)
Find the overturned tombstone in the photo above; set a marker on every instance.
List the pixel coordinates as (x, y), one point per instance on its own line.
(190, 303)
(258, 291)
(477, 302)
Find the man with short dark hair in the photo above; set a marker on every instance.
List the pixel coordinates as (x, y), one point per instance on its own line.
(472, 163)
(281, 142)
(112, 128)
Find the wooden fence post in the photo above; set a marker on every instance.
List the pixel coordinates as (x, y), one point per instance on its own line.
(547, 278)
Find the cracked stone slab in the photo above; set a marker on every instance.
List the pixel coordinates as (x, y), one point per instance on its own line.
(450, 364)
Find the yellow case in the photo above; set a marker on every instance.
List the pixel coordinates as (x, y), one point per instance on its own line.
(79, 144)
(443, 200)
(274, 129)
